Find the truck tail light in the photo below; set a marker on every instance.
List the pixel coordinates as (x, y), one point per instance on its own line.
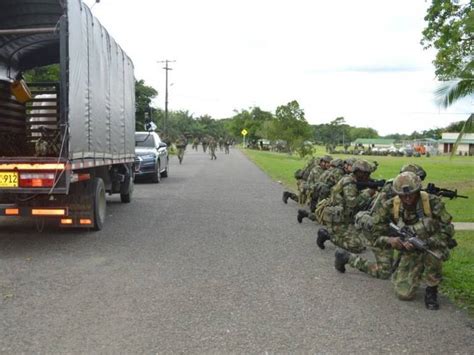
(48, 212)
(36, 179)
(12, 211)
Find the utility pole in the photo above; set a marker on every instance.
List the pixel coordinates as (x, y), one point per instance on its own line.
(166, 68)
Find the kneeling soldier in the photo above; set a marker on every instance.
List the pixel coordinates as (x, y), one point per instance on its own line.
(424, 232)
(381, 268)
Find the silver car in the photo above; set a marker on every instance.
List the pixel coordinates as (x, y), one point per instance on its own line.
(151, 156)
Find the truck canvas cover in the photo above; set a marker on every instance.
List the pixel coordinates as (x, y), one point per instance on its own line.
(97, 95)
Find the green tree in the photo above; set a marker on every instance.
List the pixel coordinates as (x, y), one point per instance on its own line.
(143, 96)
(290, 125)
(42, 74)
(458, 126)
(450, 31)
(253, 120)
(356, 132)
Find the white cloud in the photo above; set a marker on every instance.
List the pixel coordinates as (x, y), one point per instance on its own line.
(357, 59)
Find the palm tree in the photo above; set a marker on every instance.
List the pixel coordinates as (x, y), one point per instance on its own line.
(448, 94)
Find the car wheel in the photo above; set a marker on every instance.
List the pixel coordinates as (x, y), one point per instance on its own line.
(156, 178)
(165, 173)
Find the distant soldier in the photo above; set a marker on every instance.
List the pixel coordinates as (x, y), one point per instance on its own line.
(181, 147)
(226, 146)
(195, 143)
(423, 218)
(205, 143)
(221, 144)
(212, 148)
(337, 212)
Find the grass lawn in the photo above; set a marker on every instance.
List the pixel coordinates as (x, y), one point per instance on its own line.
(456, 173)
(458, 272)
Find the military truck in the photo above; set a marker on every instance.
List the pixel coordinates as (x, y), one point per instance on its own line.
(64, 145)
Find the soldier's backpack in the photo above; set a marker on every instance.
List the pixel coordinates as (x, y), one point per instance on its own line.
(328, 215)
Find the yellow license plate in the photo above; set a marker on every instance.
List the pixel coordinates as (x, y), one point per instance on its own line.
(8, 179)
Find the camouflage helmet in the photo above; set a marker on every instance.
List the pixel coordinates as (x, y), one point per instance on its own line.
(326, 158)
(406, 183)
(350, 161)
(414, 168)
(337, 163)
(362, 165)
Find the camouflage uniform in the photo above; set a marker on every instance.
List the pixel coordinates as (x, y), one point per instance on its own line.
(328, 179)
(307, 186)
(181, 147)
(195, 144)
(425, 216)
(322, 188)
(301, 175)
(205, 143)
(382, 267)
(433, 226)
(338, 211)
(212, 149)
(316, 172)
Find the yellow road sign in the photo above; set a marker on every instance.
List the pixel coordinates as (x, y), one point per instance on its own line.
(244, 132)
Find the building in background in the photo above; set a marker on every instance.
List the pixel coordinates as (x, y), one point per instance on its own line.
(465, 147)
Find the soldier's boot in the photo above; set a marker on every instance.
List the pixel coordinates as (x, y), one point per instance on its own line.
(431, 298)
(342, 258)
(302, 214)
(323, 236)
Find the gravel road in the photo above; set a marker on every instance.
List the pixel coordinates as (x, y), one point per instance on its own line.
(209, 260)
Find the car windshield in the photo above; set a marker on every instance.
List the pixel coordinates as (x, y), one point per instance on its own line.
(144, 140)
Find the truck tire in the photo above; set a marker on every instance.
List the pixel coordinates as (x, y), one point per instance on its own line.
(100, 203)
(156, 178)
(126, 197)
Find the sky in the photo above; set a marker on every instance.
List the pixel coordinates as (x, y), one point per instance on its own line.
(361, 60)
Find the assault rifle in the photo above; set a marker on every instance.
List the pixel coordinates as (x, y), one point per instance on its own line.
(438, 191)
(370, 184)
(407, 235)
